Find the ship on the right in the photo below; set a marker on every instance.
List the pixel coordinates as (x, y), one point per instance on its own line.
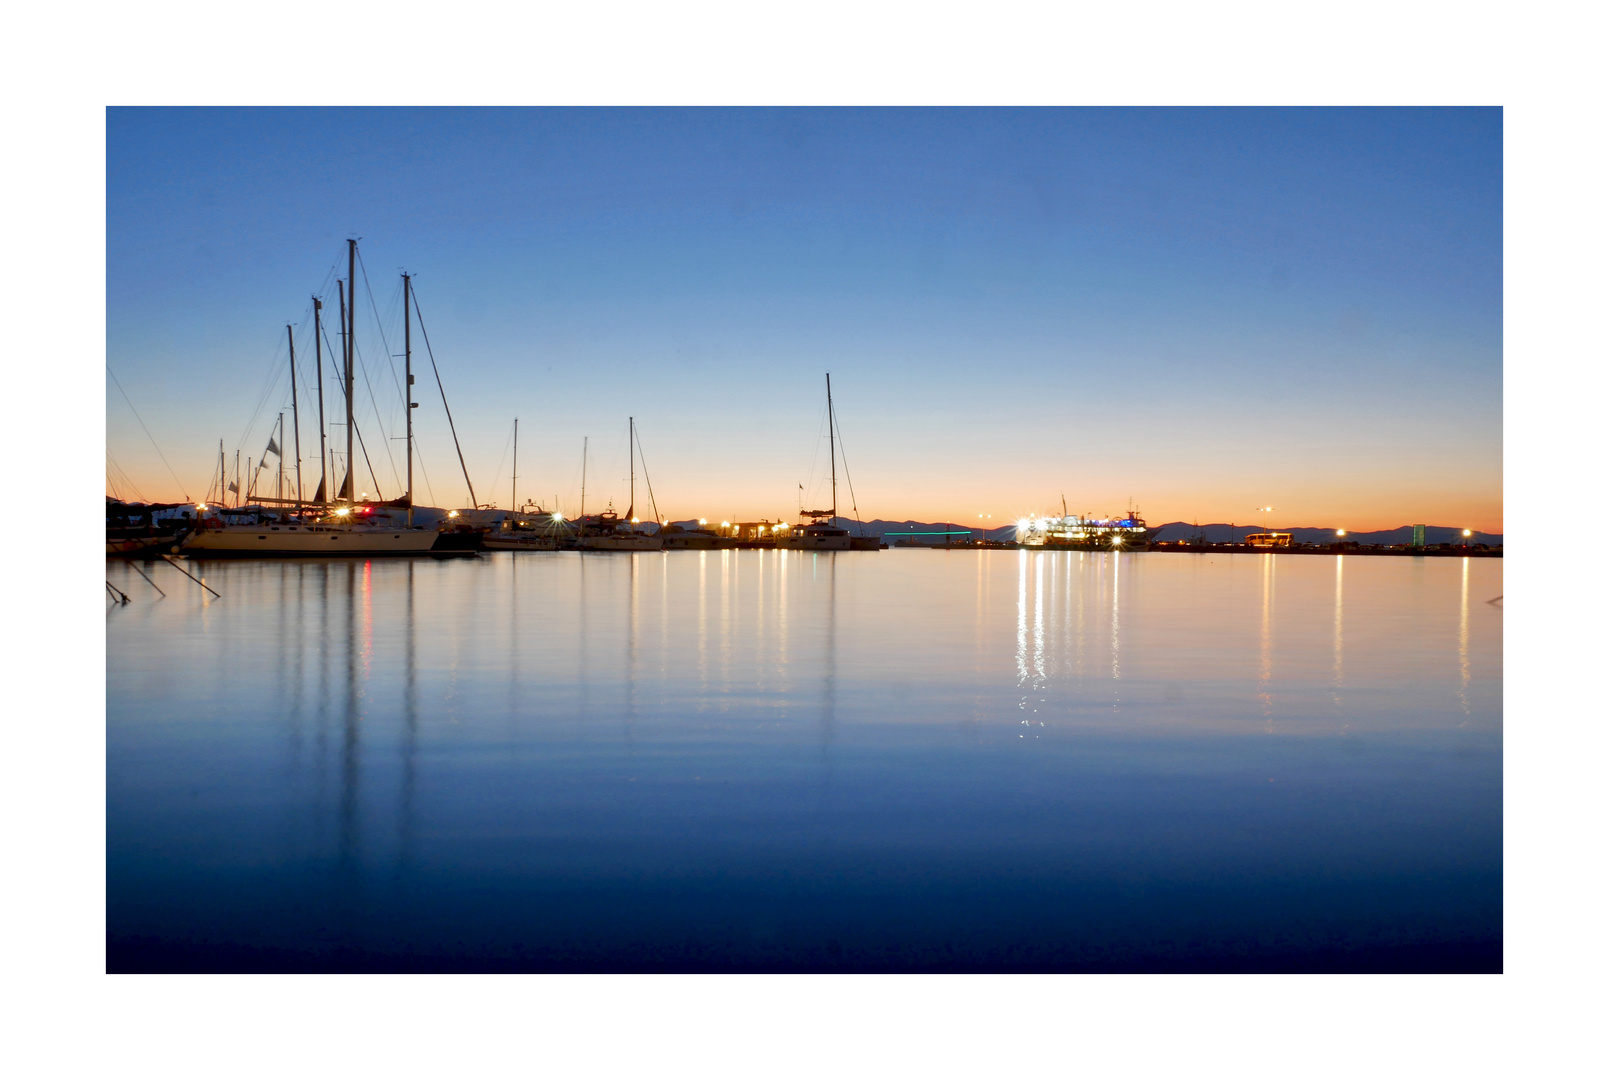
(1085, 533)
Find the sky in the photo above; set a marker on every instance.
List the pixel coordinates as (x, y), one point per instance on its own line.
(1199, 312)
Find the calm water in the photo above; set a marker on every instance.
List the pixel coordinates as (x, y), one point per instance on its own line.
(743, 760)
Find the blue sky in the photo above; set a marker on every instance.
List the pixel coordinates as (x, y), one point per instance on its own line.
(1204, 310)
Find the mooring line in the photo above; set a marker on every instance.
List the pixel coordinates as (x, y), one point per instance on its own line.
(192, 577)
(144, 575)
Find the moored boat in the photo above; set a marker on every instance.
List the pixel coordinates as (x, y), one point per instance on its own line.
(145, 530)
(338, 532)
(1085, 532)
(610, 531)
(822, 533)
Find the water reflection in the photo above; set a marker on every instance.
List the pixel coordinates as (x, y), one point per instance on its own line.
(839, 757)
(1265, 677)
(1117, 635)
(1463, 637)
(1340, 567)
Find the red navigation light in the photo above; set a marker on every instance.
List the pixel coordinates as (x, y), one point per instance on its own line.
(367, 510)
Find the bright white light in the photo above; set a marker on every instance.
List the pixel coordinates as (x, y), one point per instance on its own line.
(1117, 541)
(1340, 532)
(702, 521)
(557, 516)
(203, 506)
(1467, 532)
(727, 525)
(452, 513)
(634, 521)
(1025, 524)
(343, 511)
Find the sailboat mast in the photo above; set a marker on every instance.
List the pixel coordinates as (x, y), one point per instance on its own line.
(583, 519)
(832, 451)
(514, 483)
(346, 381)
(223, 477)
(631, 454)
(296, 416)
(351, 357)
(318, 358)
(280, 490)
(407, 363)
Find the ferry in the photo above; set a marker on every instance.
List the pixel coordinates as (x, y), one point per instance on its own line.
(1086, 533)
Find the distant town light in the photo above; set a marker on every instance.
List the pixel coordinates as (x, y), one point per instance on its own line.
(727, 525)
(703, 521)
(1340, 532)
(634, 521)
(452, 513)
(1467, 533)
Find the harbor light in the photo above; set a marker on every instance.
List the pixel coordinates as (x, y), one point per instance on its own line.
(1340, 532)
(557, 516)
(1025, 524)
(203, 508)
(703, 521)
(1467, 534)
(727, 525)
(634, 521)
(452, 513)
(1117, 541)
(342, 511)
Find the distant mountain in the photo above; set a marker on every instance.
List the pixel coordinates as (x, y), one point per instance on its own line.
(1217, 533)
(939, 532)
(1225, 534)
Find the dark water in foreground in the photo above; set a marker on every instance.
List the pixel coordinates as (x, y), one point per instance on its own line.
(900, 760)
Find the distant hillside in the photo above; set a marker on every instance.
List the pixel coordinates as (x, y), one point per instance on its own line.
(1221, 534)
(1216, 533)
(933, 532)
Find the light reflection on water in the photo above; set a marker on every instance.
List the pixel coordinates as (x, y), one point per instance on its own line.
(783, 760)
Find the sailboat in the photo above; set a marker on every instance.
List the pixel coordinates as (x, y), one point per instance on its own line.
(819, 534)
(344, 527)
(520, 530)
(609, 531)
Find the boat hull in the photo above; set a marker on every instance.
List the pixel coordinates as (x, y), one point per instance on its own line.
(458, 540)
(283, 541)
(143, 547)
